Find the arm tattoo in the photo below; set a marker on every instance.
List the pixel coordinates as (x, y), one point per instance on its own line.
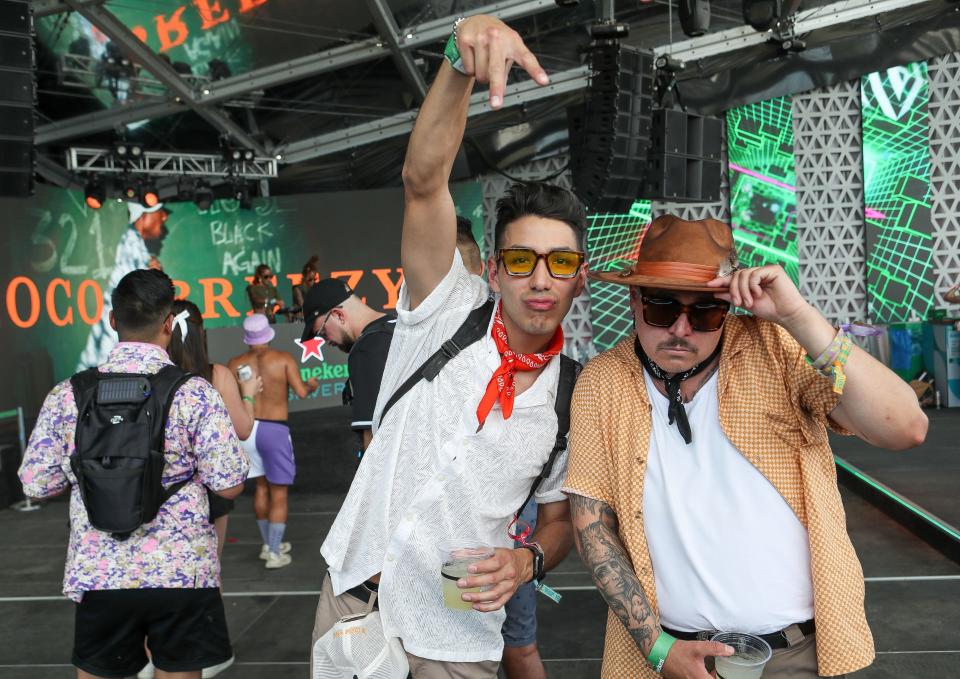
(595, 532)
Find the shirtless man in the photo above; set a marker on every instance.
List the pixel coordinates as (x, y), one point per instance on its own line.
(271, 436)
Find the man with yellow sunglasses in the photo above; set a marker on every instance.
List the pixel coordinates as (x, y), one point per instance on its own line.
(454, 458)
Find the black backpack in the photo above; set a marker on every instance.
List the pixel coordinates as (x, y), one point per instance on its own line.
(121, 418)
(470, 331)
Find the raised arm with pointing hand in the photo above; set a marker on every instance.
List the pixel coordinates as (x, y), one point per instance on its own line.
(488, 49)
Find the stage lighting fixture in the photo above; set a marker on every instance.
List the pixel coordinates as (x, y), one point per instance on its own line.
(248, 155)
(94, 194)
(218, 70)
(242, 193)
(130, 191)
(150, 195)
(185, 188)
(763, 15)
(115, 62)
(203, 196)
(609, 31)
(695, 17)
(125, 152)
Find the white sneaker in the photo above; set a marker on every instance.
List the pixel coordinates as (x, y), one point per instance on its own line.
(265, 550)
(147, 671)
(209, 672)
(278, 560)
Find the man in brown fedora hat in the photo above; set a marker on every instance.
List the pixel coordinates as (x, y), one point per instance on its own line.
(701, 480)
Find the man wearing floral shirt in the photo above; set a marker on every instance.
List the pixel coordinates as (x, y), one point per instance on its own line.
(162, 583)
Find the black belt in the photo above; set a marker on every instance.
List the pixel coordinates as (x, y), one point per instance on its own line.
(363, 592)
(776, 640)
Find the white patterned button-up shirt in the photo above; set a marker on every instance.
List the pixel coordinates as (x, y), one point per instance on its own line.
(430, 480)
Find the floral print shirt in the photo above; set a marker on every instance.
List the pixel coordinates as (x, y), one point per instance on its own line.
(178, 549)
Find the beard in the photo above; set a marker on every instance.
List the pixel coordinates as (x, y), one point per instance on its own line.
(155, 245)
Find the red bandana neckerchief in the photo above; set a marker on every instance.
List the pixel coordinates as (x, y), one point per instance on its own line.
(501, 386)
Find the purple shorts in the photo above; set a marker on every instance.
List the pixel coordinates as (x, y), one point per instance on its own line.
(276, 451)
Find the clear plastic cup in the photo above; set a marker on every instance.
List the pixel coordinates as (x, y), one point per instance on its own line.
(454, 567)
(751, 655)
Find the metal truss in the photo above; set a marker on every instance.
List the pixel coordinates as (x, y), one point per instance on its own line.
(392, 41)
(81, 70)
(113, 28)
(42, 8)
(389, 31)
(401, 123)
(276, 74)
(742, 37)
(164, 163)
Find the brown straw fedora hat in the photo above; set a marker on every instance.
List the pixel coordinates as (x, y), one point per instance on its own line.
(679, 255)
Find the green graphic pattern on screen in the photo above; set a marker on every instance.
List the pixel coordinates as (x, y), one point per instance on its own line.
(896, 173)
(762, 184)
(612, 242)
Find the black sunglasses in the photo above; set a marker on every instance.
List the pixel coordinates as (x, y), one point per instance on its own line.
(663, 312)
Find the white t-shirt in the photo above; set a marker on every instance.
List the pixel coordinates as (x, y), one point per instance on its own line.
(728, 553)
(429, 478)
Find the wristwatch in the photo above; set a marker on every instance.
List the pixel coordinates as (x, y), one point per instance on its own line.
(538, 571)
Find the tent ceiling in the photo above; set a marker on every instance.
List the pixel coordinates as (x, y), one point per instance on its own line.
(315, 69)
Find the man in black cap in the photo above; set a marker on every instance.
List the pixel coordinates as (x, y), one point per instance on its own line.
(333, 312)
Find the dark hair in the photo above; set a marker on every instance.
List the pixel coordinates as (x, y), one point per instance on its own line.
(190, 353)
(258, 272)
(468, 246)
(142, 301)
(541, 200)
(311, 265)
(465, 232)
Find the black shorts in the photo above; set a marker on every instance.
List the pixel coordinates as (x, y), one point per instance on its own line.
(219, 506)
(186, 630)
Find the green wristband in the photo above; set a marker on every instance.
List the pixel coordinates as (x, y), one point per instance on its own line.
(658, 654)
(249, 398)
(453, 55)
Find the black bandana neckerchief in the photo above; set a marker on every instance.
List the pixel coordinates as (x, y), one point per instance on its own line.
(675, 411)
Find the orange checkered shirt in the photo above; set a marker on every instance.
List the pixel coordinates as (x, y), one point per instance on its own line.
(773, 407)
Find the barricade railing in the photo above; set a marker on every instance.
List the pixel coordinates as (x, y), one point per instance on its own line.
(27, 504)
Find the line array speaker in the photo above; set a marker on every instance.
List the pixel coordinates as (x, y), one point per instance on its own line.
(17, 98)
(684, 161)
(610, 131)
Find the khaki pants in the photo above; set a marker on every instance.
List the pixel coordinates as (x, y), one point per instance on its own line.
(331, 608)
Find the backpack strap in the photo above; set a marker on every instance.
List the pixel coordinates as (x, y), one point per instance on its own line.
(569, 371)
(164, 385)
(84, 385)
(471, 330)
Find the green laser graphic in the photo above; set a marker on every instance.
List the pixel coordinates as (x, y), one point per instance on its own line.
(763, 205)
(612, 242)
(896, 174)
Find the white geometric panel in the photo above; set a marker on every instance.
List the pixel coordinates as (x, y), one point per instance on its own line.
(577, 329)
(831, 245)
(944, 96)
(719, 210)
